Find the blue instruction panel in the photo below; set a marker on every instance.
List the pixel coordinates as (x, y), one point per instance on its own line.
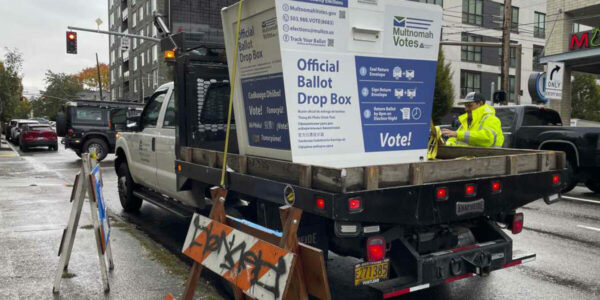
(396, 97)
(266, 113)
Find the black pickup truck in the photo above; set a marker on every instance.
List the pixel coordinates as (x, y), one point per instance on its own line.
(534, 127)
(91, 126)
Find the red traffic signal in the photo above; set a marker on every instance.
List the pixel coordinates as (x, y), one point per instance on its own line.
(71, 42)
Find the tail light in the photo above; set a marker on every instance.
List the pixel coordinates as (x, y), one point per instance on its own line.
(375, 248)
(496, 187)
(320, 203)
(354, 205)
(517, 223)
(470, 190)
(70, 132)
(441, 194)
(28, 136)
(556, 179)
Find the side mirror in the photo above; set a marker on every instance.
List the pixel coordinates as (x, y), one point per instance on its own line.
(133, 123)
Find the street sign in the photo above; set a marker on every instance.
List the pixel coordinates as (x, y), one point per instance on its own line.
(554, 80)
(97, 184)
(125, 44)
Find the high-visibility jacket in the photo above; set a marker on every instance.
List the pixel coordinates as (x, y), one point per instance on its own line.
(484, 130)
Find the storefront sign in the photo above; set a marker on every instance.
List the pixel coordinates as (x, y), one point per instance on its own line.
(585, 40)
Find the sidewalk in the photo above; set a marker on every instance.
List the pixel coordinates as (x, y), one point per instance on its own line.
(34, 209)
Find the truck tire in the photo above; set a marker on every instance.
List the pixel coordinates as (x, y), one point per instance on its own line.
(593, 184)
(96, 145)
(571, 179)
(126, 186)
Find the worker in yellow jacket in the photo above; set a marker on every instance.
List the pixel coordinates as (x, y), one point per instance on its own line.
(479, 126)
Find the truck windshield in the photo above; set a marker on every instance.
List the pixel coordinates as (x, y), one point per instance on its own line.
(541, 117)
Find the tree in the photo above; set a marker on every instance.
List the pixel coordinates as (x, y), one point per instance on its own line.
(89, 77)
(10, 83)
(443, 94)
(60, 88)
(23, 109)
(585, 97)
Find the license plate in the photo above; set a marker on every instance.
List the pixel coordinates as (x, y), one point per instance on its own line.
(371, 272)
(41, 138)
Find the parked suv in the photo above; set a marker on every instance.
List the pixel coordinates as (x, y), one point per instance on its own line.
(38, 135)
(87, 126)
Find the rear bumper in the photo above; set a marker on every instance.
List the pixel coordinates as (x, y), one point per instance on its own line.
(39, 143)
(450, 265)
(517, 259)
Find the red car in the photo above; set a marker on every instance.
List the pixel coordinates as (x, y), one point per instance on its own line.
(38, 135)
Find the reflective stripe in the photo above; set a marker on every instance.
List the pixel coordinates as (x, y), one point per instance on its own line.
(467, 137)
(482, 121)
(495, 135)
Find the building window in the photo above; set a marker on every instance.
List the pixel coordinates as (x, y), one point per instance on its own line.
(134, 19)
(438, 2)
(513, 56)
(153, 5)
(142, 34)
(539, 25)
(469, 82)
(154, 53)
(148, 56)
(135, 85)
(472, 12)
(537, 52)
(511, 87)
(142, 59)
(514, 18)
(135, 63)
(155, 78)
(148, 8)
(149, 80)
(141, 12)
(470, 53)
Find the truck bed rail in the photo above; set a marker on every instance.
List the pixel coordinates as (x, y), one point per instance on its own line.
(455, 163)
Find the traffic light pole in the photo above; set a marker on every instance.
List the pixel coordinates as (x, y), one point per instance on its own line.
(115, 33)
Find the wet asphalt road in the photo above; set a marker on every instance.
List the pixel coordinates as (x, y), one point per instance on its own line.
(565, 236)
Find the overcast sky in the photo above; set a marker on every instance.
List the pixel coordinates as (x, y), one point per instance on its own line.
(38, 28)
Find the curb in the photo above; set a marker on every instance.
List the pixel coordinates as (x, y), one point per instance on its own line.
(7, 150)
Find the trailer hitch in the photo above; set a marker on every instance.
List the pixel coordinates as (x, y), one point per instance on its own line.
(480, 264)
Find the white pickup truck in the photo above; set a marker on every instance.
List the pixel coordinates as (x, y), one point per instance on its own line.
(145, 162)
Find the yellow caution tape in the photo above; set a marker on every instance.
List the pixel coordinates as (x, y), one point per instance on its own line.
(232, 89)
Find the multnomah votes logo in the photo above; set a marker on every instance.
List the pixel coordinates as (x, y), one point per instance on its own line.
(409, 32)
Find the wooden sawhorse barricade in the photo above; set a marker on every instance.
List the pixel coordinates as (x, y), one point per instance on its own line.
(259, 263)
(88, 181)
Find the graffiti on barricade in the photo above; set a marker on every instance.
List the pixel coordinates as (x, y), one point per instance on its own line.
(257, 267)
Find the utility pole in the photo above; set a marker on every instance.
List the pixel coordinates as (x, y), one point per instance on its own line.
(504, 73)
(99, 77)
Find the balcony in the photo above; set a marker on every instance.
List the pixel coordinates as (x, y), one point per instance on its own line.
(124, 14)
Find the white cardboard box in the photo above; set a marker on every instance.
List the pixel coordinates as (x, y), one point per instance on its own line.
(338, 83)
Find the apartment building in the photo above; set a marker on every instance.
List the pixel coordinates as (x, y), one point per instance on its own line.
(136, 73)
(477, 69)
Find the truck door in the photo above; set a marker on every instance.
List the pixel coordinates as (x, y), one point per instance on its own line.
(165, 150)
(144, 145)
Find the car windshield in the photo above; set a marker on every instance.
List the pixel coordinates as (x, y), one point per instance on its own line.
(40, 128)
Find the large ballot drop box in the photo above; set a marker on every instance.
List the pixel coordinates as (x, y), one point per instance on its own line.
(338, 83)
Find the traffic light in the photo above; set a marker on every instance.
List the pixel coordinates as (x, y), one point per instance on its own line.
(71, 42)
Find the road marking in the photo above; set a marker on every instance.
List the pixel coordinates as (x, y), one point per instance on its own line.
(589, 227)
(581, 199)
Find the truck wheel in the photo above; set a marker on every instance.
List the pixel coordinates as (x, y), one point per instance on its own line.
(593, 184)
(125, 184)
(96, 145)
(570, 178)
